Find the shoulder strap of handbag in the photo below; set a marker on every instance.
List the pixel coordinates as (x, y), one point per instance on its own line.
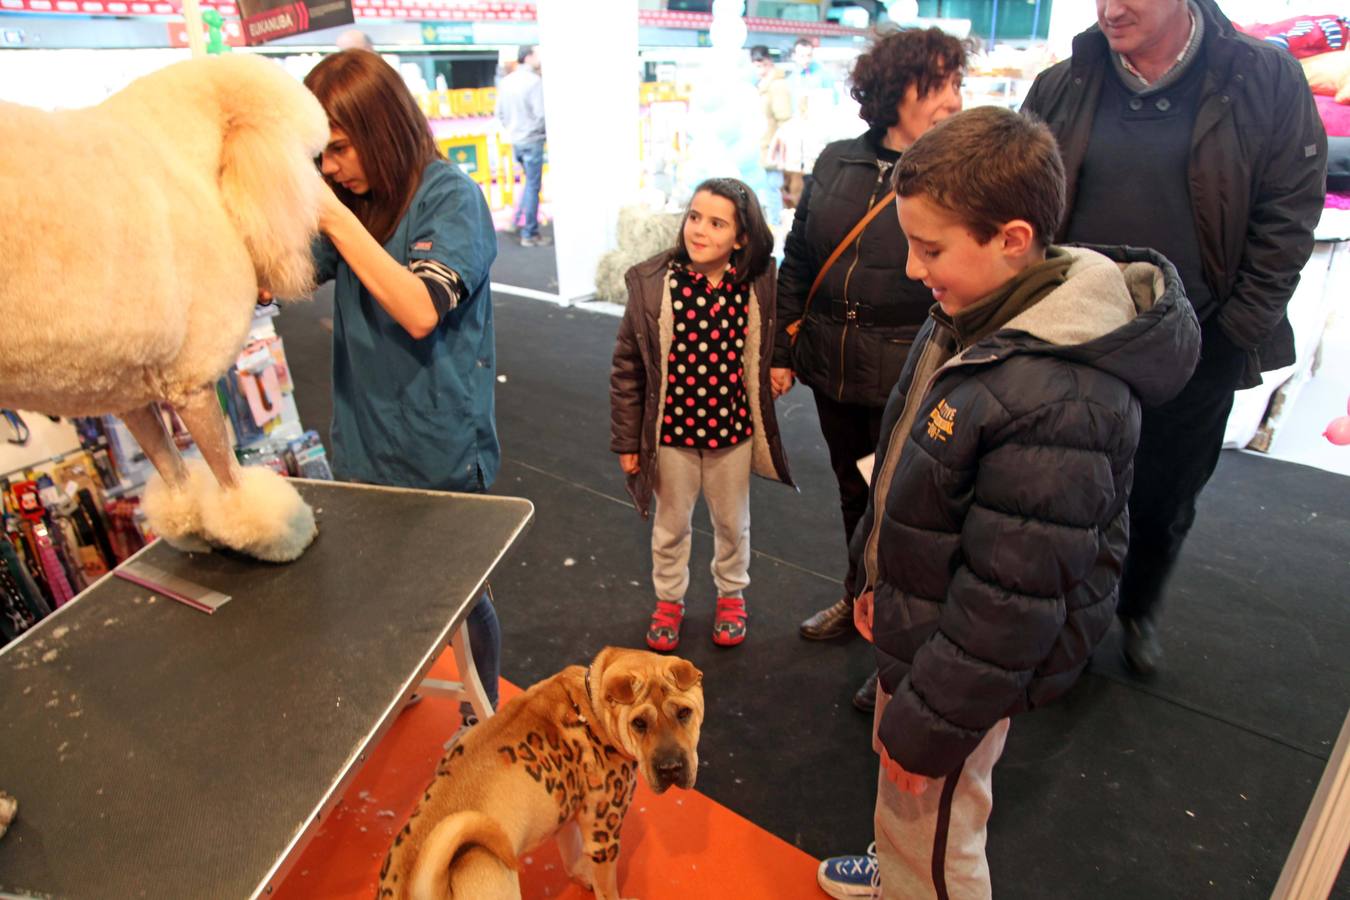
(849, 238)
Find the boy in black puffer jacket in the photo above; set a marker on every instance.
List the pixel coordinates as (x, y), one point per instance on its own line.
(997, 523)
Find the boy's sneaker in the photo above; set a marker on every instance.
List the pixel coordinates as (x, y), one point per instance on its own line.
(729, 622)
(663, 634)
(850, 877)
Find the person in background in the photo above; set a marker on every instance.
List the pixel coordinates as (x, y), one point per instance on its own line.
(799, 143)
(691, 409)
(1223, 131)
(777, 99)
(846, 289)
(407, 238)
(354, 39)
(996, 528)
(520, 109)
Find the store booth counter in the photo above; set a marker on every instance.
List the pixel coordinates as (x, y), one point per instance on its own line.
(159, 751)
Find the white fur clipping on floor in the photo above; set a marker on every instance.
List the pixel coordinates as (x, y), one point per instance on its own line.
(9, 808)
(264, 516)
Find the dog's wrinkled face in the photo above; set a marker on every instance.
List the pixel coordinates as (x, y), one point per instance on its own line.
(653, 705)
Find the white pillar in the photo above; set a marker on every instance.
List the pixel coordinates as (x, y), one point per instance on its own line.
(192, 18)
(1067, 19)
(590, 70)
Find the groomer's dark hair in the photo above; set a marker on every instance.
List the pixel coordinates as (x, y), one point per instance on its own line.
(367, 99)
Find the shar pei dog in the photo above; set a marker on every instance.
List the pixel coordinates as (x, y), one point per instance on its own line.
(562, 758)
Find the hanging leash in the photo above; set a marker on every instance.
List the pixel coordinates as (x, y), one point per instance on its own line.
(18, 426)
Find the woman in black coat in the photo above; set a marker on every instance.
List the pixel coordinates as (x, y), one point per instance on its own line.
(858, 327)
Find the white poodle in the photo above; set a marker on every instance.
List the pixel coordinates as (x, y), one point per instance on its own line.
(136, 235)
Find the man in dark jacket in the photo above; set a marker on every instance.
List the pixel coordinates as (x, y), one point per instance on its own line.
(1180, 134)
(996, 524)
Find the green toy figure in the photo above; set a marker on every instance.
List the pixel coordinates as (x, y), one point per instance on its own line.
(215, 42)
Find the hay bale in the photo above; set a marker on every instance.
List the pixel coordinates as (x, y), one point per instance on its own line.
(642, 233)
(609, 277)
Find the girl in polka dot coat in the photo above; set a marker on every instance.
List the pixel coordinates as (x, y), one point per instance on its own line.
(691, 405)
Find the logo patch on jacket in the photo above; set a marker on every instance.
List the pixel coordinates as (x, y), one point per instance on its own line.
(422, 245)
(941, 421)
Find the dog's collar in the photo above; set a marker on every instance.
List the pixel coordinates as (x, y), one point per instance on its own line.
(590, 701)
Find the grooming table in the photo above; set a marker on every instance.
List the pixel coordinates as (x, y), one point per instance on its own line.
(157, 751)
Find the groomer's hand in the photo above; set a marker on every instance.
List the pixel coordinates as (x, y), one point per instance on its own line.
(629, 463)
(781, 380)
(331, 209)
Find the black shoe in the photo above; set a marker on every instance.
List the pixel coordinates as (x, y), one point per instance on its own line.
(830, 622)
(866, 698)
(1141, 649)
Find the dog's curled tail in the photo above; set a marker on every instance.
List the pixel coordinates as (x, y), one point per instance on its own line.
(431, 875)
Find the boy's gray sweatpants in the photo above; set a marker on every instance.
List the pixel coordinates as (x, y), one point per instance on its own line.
(723, 477)
(933, 845)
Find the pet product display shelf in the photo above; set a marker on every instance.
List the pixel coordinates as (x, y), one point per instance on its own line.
(158, 751)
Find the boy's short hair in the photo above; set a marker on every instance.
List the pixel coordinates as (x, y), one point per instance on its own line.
(988, 166)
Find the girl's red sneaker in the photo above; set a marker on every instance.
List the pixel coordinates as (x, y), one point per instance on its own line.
(729, 622)
(663, 635)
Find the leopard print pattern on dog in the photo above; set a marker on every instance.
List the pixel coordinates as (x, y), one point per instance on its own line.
(442, 769)
(553, 762)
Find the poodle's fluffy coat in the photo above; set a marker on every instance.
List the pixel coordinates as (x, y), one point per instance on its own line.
(137, 235)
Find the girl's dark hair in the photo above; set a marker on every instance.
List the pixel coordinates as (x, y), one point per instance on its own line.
(751, 229)
(925, 58)
(367, 99)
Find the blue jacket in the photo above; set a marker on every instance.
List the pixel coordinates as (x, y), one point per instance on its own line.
(409, 412)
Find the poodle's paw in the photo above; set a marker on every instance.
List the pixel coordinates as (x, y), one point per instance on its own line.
(263, 516)
(9, 808)
(174, 512)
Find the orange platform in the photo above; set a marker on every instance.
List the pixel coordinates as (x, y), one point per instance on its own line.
(680, 845)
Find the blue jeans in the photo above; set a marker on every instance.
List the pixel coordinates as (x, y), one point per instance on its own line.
(773, 195)
(529, 157)
(485, 639)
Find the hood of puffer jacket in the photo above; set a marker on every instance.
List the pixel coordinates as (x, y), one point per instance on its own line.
(1122, 310)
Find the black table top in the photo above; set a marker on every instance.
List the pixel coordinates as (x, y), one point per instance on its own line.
(157, 751)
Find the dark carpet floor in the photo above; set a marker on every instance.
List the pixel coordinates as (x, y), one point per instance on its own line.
(1193, 785)
(535, 268)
